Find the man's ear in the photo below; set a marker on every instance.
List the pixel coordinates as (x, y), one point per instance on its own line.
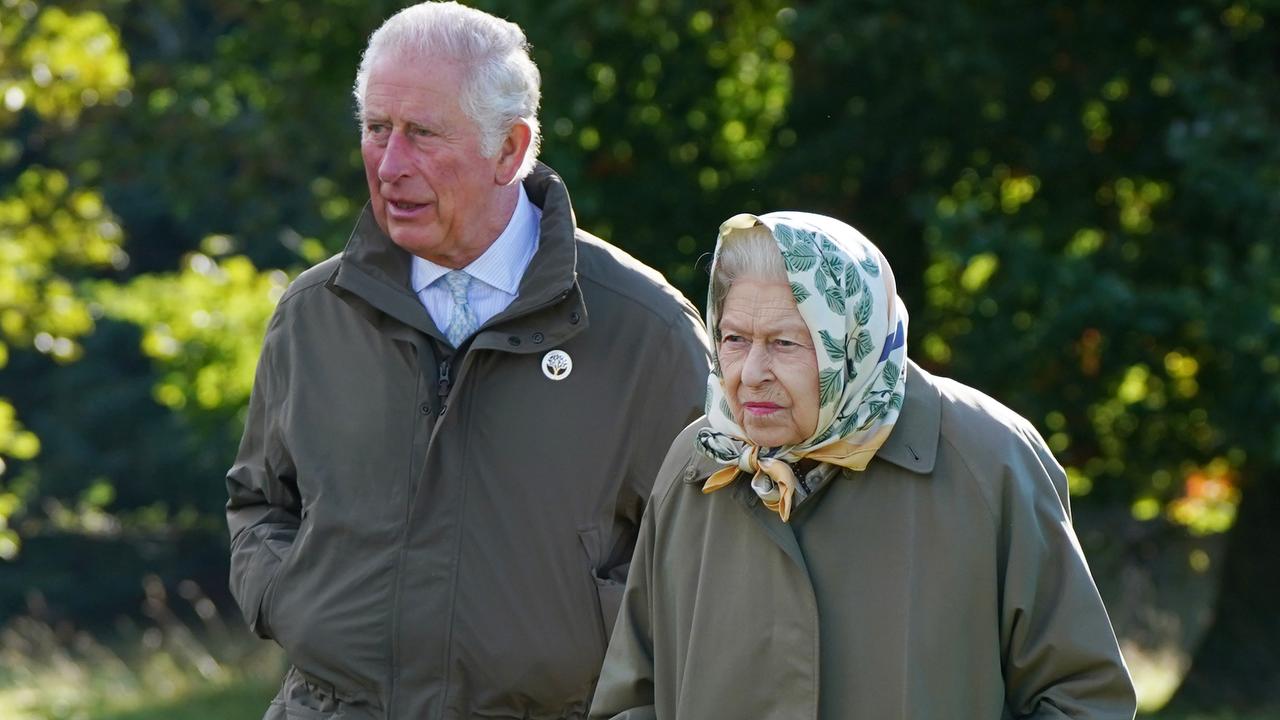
(511, 153)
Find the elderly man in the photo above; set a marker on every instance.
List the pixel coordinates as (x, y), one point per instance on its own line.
(456, 421)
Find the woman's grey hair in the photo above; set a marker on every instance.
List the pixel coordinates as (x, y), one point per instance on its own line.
(502, 86)
(745, 253)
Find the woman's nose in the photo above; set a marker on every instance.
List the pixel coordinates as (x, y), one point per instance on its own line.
(757, 368)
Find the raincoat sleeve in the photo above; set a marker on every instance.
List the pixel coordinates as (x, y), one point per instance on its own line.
(263, 509)
(1061, 659)
(625, 688)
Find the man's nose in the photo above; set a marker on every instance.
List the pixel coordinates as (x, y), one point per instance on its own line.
(395, 159)
(757, 369)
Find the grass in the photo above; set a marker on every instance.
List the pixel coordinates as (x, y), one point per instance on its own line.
(200, 668)
(171, 668)
(1219, 715)
(235, 702)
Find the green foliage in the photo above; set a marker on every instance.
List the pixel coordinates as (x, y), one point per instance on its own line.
(1089, 196)
(48, 230)
(63, 63)
(53, 64)
(203, 326)
(1079, 201)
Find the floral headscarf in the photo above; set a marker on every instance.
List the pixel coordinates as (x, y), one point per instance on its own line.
(845, 292)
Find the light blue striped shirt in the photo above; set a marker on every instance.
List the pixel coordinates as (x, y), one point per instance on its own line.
(495, 274)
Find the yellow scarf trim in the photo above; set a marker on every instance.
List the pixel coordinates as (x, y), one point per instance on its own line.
(844, 454)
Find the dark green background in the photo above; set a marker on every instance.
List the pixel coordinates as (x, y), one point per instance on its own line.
(1081, 201)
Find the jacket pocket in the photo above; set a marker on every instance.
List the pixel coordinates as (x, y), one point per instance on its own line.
(608, 592)
(277, 611)
(303, 698)
(298, 712)
(282, 550)
(256, 556)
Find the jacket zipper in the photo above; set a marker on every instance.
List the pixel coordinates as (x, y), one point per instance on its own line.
(442, 384)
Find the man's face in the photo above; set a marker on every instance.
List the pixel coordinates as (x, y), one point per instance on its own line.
(432, 190)
(768, 363)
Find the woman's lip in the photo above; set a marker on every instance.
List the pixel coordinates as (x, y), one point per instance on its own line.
(761, 408)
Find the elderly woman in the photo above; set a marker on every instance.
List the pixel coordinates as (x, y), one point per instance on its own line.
(845, 535)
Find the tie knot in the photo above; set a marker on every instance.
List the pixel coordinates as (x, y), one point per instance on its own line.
(458, 282)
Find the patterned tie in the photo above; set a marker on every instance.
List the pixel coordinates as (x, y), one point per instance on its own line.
(462, 319)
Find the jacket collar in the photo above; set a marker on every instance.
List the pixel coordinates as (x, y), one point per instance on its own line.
(913, 443)
(548, 311)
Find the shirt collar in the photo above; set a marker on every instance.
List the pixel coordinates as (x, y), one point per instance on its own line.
(503, 264)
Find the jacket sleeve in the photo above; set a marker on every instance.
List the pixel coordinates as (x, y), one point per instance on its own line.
(673, 396)
(263, 506)
(1061, 659)
(625, 688)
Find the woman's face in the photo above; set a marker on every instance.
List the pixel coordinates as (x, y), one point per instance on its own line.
(769, 363)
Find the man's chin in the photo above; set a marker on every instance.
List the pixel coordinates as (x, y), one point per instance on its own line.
(412, 240)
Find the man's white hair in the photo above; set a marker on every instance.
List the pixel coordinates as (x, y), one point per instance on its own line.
(501, 85)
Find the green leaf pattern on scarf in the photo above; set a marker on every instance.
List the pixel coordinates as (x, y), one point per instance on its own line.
(834, 349)
(830, 383)
(890, 374)
(863, 345)
(865, 306)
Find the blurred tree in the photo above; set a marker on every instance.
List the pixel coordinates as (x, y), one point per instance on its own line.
(1085, 200)
(236, 148)
(53, 65)
(1080, 200)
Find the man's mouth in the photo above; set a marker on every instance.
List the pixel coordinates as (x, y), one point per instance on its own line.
(405, 210)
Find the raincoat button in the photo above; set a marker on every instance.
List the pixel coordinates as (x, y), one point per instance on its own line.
(574, 317)
(690, 474)
(537, 337)
(425, 408)
(513, 341)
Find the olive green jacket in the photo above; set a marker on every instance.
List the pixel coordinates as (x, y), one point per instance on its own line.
(944, 582)
(439, 535)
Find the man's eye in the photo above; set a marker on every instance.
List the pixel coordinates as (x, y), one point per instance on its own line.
(375, 128)
(731, 339)
(420, 132)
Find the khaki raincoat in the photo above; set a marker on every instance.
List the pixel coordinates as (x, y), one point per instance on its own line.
(943, 583)
(431, 534)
